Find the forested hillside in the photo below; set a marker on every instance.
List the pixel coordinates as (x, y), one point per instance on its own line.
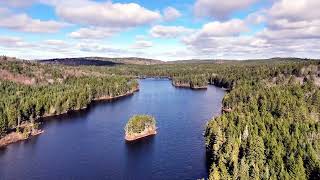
(101, 61)
(29, 91)
(269, 129)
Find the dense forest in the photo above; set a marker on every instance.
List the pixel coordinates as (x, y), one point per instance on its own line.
(269, 129)
(22, 102)
(192, 81)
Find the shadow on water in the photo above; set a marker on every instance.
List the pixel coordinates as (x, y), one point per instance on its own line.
(208, 160)
(141, 150)
(3, 151)
(140, 143)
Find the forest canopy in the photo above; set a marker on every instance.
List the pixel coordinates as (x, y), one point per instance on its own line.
(22, 102)
(139, 123)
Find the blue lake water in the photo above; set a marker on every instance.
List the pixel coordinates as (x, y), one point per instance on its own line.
(90, 144)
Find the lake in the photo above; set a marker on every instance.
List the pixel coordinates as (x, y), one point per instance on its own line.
(90, 144)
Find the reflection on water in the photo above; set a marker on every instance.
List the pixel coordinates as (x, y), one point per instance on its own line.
(137, 151)
(89, 144)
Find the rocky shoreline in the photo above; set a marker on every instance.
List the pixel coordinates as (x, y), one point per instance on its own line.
(18, 136)
(199, 87)
(145, 133)
(181, 85)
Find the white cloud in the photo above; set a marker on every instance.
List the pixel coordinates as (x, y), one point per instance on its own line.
(297, 19)
(99, 48)
(22, 22)
(106, 14)
(297, 30)
(215, 29)
(292, 28)
(169, 31)
(171, 14)
(54, 42)
(4, 11)
(7, 41)
(18, 47)
(220, 9)
(142, 44)
(17, 3)
(54, 48)
(231, 47)
(256, 18)
(94, 33)
(296, 10)
(228, 28)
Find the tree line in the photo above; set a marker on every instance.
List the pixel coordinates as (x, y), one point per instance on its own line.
(21, 103)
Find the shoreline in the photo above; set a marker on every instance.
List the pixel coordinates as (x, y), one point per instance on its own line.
(137, 136)
(110, 98)
(199, 88)
(189, 86)
(103, 98)
(14, 137)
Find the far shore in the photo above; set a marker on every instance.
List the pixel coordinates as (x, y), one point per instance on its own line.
(187, 85)
(107, 98)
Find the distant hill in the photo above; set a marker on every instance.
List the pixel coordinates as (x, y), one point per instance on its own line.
(202, 61)
(132, 60)
(101, 61)
(229, 61)
(104, 61)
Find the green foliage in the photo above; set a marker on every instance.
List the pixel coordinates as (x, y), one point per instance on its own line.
(272, 132)
(192, 81)
(26, 132)
(24, 103)
(139, 123)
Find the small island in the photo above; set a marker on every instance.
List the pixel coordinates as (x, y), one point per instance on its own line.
(140, 126)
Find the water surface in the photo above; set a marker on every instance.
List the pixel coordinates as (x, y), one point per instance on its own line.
(90, 144)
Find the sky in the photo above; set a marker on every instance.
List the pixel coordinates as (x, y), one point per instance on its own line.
(160, 29)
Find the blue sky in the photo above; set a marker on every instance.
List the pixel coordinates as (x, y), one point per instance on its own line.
(165, 29)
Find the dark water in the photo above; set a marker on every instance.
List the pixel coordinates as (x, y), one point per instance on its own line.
(90, 145)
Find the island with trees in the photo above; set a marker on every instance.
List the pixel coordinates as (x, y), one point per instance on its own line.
(140, 126)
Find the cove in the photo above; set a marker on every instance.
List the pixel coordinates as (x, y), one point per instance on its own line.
(90, 144)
